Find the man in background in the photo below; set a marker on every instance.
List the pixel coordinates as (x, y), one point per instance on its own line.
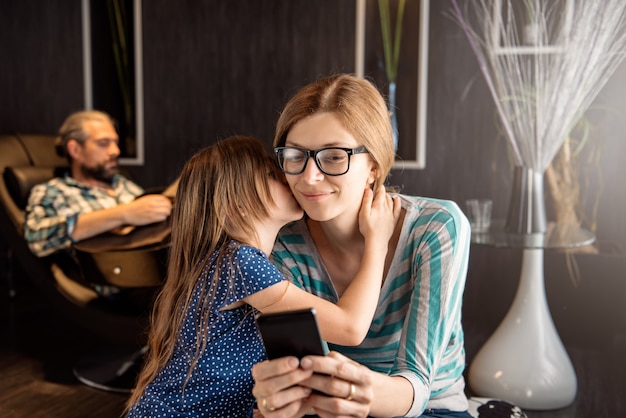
(93, 197)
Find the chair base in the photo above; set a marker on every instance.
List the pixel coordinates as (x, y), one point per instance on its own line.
(112, 369)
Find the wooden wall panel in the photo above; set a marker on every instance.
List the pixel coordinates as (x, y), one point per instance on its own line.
(41, 60)
(215, 68)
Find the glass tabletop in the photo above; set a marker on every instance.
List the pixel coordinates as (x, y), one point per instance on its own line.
(556, 236)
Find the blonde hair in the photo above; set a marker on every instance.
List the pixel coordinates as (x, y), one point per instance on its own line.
(222, 189)
(357, 104)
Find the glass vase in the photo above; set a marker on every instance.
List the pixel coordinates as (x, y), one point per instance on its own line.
(392, 113)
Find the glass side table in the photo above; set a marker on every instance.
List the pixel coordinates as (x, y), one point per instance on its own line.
(524, 360)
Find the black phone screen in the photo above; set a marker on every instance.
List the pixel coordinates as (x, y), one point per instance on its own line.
(290, 333)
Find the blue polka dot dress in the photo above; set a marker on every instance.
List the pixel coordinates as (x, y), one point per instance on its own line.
(221, 382)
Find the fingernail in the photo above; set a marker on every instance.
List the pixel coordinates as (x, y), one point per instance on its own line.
(293, 362)
(306, 363)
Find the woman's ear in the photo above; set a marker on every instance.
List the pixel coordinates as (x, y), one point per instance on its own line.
(373, 176)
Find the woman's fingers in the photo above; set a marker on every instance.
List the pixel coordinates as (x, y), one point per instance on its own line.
(346, 386)
(345, 398)
(325, 406)
(276, 387)
(286, 403)
(338, 366)
(275, 375)
(272, 368)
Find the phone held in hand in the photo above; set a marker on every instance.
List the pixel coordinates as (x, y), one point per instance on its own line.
(290, 333)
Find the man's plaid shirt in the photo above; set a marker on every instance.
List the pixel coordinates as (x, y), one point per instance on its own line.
(53, 208)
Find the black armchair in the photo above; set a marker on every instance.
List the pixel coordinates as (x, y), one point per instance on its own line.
(26, 160)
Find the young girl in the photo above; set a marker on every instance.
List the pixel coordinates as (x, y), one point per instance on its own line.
(231, 202)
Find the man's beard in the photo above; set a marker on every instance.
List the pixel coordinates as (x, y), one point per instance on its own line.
(99, 172)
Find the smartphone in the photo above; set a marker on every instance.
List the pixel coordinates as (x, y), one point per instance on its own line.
(290, 333)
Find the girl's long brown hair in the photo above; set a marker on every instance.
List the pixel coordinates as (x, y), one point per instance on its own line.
(222, 189)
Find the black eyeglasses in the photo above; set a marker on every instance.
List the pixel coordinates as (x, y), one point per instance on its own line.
(331, 161)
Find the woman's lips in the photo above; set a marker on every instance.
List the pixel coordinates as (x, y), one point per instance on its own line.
(314, 196)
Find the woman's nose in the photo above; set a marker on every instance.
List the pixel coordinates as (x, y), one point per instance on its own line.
(311, 171)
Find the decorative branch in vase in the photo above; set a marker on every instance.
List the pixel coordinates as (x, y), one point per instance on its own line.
(391, 50)
(544, 63)
(542, 85)
(566, 191)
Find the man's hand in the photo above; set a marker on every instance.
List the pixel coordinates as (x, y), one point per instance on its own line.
(147, 209)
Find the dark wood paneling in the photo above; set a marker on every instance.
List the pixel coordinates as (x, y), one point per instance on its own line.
(41, 55)
(215, 68)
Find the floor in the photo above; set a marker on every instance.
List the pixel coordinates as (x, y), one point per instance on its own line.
(37, 351)
(38, 348)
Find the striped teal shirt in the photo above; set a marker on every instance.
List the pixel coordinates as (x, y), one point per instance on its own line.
(416, 331)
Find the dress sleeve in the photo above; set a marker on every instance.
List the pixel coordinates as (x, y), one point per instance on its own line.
(255, 273)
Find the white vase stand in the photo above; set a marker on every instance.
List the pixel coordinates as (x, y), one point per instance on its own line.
(524, 361)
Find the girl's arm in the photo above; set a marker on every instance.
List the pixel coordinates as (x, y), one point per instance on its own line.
(347, 322)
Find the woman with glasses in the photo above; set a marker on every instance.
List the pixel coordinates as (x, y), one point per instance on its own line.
(334, 141)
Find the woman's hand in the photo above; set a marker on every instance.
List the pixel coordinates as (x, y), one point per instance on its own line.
(345, 386)
(378, 215)
(276, 387)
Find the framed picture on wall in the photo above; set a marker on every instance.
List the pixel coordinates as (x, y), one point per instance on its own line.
(381, 27)
(113, 72)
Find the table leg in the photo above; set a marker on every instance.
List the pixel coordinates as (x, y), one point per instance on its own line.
(524, 361)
